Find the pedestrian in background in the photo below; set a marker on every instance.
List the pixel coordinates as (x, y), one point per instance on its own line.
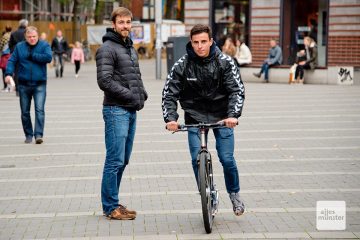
(77, 57)
(274, 58)
(15, 38)
(32, 56)
(243, 55)
(59, 47)
(307, 59)
(4, 52)
(118, 75)
(43, 36)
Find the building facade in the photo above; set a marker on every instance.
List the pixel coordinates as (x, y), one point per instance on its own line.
(333, 24)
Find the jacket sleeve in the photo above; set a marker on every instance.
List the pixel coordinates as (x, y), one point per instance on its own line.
(105, 76)
(171, 91)
(12, 43)
(234, 86)
(313, 56)
(42, 57)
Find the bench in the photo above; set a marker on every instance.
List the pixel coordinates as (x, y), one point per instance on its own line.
(280, 74)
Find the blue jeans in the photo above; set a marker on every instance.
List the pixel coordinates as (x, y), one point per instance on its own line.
(26, 93)
(120, 126)
(265, 69)
(59, 64)
(225, 150)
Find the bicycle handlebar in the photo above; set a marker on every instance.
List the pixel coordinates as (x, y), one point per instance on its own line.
(184, 127)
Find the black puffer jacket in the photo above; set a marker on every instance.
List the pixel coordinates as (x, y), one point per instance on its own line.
(209, 89)
(118, 73)
(16, 37)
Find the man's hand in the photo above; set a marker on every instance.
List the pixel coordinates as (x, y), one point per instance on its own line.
(230, 122)
(8, 79)
(172, 126)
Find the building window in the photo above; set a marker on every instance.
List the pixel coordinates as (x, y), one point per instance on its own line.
(304, 18)
(230, 19)
(148, 13)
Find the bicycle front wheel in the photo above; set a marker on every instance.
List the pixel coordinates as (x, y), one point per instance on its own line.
(205, 191)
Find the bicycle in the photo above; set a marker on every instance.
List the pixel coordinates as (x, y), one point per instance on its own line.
(209, 194)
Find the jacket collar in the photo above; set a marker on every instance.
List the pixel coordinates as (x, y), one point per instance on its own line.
(113, 36)
(193, 56)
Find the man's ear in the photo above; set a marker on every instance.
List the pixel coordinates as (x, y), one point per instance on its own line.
(113, 26)
(211, 40)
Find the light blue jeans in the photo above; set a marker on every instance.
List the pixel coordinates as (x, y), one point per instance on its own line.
(225, 150)
(120, 126)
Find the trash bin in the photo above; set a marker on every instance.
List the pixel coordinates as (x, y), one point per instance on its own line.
(175, 49)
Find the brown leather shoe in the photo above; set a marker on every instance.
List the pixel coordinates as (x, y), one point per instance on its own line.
(121, 214)
(127, 210)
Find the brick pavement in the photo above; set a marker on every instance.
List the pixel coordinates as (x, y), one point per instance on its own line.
(295, 145)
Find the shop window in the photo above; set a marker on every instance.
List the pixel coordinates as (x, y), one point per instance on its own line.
(304, 18)
(230, 19)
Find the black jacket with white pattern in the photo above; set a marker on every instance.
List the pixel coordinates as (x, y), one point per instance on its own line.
(118, 73)
(209, 89)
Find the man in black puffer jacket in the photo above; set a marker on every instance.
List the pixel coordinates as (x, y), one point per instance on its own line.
(208, 85)
(118, 75)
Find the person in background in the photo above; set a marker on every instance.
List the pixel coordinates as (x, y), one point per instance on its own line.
(230, 49)
(32, 56)
(5, 52)
(59, 47)
(307, 59)
(243, 55)
(43, 36)
(274, 58)
(77, 57)
(16, 37)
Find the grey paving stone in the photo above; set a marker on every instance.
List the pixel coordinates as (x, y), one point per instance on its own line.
(292, 139)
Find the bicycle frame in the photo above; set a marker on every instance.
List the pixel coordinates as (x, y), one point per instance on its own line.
(208, 192)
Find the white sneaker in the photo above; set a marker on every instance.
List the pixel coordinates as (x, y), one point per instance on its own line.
(76, 75)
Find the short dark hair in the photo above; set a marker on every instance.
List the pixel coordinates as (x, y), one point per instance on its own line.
(201, 28)
(121, 12)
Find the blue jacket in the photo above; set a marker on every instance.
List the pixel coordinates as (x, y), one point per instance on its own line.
(32, 61)
(275, 55)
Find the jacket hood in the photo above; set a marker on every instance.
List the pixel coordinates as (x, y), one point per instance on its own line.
(192, 55)
(113, 36)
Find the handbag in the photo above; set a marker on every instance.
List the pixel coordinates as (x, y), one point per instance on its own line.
(4, 60)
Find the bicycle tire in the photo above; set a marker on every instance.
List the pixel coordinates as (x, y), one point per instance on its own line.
(205, 192)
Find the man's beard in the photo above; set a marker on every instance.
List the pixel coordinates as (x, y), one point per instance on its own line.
(124, 33)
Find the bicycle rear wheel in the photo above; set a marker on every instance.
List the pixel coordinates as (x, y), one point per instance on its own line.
(205, 191)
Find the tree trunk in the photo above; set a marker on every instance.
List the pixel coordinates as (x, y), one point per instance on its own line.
(99, 12)
(76, 22)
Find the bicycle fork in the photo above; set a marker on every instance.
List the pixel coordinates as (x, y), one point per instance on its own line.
(212, 191)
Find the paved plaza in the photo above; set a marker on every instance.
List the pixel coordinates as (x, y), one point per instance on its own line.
(295, 145)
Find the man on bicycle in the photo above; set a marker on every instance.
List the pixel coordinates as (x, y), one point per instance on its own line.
(208, 85)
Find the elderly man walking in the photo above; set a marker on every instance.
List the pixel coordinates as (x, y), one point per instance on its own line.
(31, 55)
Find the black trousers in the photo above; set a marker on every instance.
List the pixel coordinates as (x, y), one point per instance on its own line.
(77, 66)
(300, 70)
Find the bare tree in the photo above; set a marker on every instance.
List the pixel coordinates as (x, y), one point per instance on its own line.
(99, 11)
